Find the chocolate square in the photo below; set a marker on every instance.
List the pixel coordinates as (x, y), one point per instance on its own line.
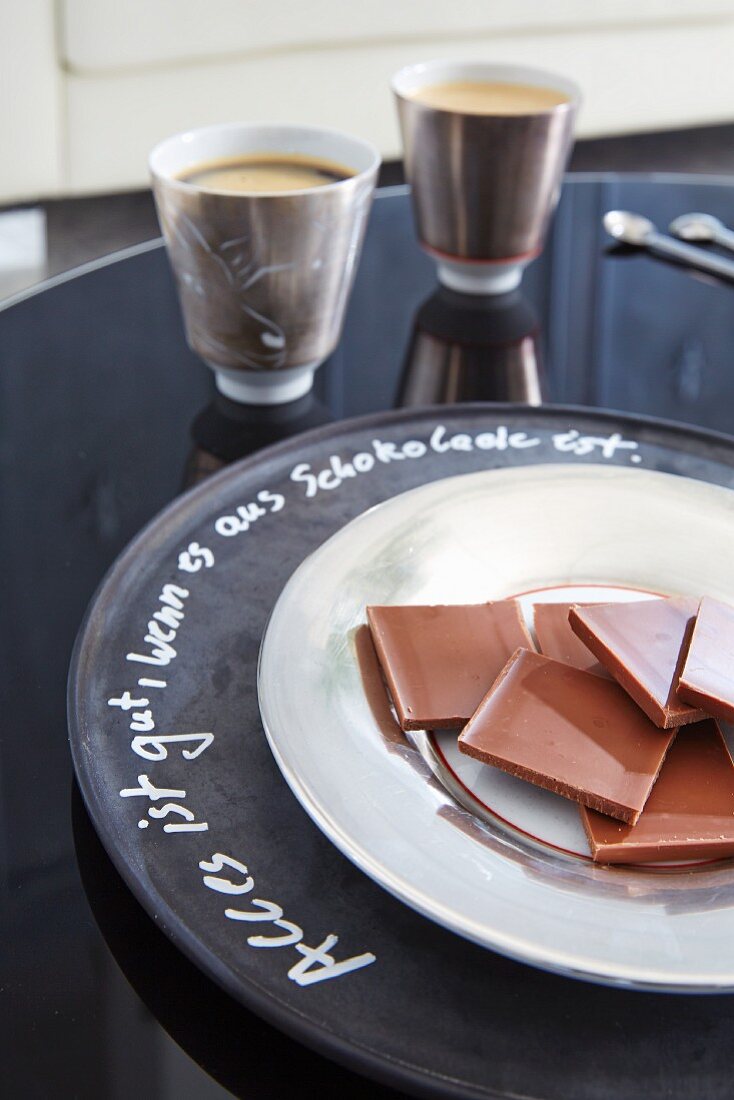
(643, 644)
(569, 731)
(440, 661)
(690, 811)
(707, 679)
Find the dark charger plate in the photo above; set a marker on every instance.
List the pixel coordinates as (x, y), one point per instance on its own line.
(433, 1014)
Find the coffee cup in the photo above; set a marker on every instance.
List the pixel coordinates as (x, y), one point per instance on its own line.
(485, 148)
(264, 226)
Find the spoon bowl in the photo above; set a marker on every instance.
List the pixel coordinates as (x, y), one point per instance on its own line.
(628, 227)
(696, 227)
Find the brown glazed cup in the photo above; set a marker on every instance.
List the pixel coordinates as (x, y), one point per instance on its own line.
(484, 186)
(263, 278)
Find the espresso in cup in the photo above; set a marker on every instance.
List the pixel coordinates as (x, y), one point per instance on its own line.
(265, 172)
(489, 97)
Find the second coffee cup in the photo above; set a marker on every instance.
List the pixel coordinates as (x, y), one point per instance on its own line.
(485, 149)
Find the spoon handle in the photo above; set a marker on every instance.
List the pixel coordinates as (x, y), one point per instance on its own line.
(689, 254)
(725, 237)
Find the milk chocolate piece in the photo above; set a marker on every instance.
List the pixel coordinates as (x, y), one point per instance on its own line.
(707, 679)
(643, 644)
(570, 731)
(557, 640)
(439, 662)
(690, 811)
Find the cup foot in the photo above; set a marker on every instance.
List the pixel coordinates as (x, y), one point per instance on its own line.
(273, 387)
(479, 278)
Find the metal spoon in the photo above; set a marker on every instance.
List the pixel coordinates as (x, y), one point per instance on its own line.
(636, 230)
(702, 227)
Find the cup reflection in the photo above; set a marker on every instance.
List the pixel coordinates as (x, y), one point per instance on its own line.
(470, 348)
(226, 430)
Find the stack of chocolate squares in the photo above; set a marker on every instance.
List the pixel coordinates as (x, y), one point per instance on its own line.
(617, 711)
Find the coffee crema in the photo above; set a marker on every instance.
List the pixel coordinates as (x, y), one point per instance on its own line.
(256, 173)
(484, 97)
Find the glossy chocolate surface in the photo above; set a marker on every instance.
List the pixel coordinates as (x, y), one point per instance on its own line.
(439, 662)
(569, 731)
(643, 644)
(690, 811)
(707, 679)
(557, 640)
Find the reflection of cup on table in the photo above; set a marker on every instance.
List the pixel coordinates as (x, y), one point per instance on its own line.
(485, 149)
(473, 348)
(264, 226)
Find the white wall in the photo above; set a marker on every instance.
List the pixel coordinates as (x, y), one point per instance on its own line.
(30, 100)
(94, 83)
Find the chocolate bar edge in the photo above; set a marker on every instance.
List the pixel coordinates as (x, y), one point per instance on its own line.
(625, 679)
(386, 670)
(626, 814)
(624, 854)
(710, 705)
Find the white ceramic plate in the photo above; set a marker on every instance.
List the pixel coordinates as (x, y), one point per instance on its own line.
(485, 855)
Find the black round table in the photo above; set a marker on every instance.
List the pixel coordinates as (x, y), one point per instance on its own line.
(104, 417)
